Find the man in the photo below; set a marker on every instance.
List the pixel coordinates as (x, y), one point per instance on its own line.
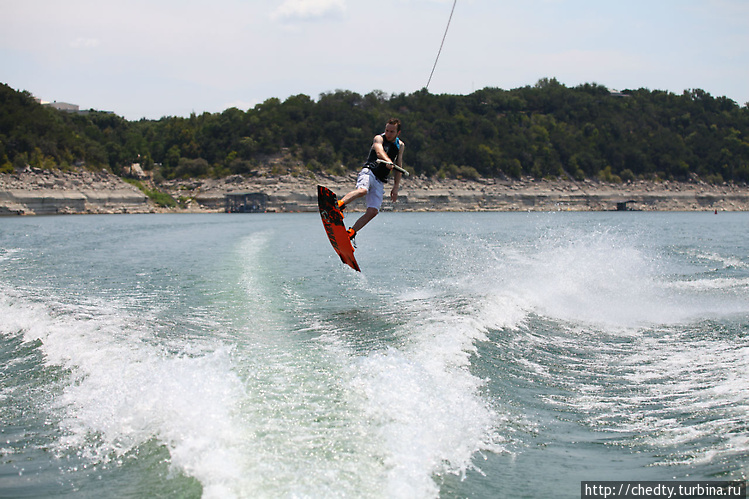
(371, 181)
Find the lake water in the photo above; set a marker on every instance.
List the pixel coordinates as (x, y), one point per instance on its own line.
(476, 355)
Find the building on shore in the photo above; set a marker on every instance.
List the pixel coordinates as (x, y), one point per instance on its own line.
(246, 202)
(64, 106)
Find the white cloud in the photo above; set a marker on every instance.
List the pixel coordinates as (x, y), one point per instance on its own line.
(308, 9)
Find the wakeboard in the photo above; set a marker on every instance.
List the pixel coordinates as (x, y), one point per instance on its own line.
(332, 220)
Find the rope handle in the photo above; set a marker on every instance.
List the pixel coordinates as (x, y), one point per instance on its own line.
(395, 167)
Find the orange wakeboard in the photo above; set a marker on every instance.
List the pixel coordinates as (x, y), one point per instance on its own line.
(332, 220)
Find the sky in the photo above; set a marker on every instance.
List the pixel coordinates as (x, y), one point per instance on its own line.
(156, 58)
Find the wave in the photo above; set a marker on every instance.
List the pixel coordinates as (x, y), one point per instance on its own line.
(427, 406)
(266, 377)
(600, 278)
(279, 398)
(614, 331)
(669, 390)
(124, 389)
(724, 261)
(737, 284)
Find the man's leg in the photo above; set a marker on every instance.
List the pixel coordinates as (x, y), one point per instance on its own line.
(364, 219)
(355, 194)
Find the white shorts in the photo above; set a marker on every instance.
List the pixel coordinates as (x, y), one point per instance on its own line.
(375, 188)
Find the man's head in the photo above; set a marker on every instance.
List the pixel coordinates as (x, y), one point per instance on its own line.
(392, 129)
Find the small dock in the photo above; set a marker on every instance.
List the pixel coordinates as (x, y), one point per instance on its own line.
(622, 205)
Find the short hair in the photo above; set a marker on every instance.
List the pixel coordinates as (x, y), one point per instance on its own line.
(396, 122)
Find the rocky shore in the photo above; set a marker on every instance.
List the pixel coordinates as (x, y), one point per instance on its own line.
(45, 192)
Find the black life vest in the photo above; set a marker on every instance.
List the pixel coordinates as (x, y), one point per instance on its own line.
(380, 170)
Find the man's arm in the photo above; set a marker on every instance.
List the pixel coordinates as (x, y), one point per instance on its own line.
(399, 159)
(397, 175)
(379, 150)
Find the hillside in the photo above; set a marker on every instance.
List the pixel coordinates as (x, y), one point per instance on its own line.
(541, 131)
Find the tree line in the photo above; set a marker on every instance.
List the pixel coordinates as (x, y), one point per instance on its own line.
(547, 130)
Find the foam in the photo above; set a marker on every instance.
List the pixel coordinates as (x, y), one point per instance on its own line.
(582, 287)
(678, 375)
(124, 391)
(720, 283)
(724, 261)
(600, 278)
(425, 404)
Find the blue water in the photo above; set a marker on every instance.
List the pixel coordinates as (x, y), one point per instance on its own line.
(476, 355)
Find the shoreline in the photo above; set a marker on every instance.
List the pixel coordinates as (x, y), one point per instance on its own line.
(43, 192)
